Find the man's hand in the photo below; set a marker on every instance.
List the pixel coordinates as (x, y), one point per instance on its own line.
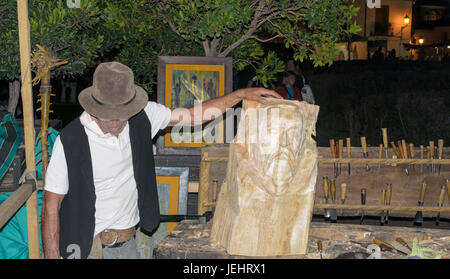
(257, 94)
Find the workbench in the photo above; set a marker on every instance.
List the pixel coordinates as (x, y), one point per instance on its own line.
(191, 240)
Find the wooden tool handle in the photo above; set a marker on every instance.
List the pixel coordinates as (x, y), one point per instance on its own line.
(432, 149)
(349, 147)
(401, 241)
(440, 147)
(332, 148)
(388, 193)
(405, 149)
(400, 149)
(383, 197)
(380, 242)
(421, 152)
(422, 192)
(380, 151)
(447, 182)
(332, 189)
(343, 191)
(364, 144)
(325, 186)
(428, 152)
(411, 150)
(442, 195)
(385, 137)
(341, 147)
(319, 246)
(397, 153)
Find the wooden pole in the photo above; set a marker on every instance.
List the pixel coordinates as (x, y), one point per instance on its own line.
(28, 121)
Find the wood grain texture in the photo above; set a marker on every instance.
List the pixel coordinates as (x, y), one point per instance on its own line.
(265, 206)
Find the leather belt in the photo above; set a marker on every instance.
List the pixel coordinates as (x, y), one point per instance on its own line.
(111, 237)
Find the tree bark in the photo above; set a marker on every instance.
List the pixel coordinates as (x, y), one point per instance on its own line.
(14, 93)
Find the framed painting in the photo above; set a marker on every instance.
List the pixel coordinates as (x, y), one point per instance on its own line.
(183, 82)
(172, 184)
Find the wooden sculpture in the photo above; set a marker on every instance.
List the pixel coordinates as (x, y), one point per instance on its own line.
(43, 60)
(265, 204)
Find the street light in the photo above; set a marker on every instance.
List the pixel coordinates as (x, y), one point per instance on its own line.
(406, 21)
(421, 40)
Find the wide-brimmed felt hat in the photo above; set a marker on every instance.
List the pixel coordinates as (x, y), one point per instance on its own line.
(113, 94)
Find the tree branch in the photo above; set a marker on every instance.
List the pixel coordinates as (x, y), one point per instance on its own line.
(171, 25)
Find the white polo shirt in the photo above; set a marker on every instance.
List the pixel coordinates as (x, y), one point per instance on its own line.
(115, 186)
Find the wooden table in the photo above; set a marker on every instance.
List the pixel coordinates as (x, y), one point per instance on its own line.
(191, 240)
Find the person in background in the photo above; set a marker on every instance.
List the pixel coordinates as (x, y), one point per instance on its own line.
(289, 90)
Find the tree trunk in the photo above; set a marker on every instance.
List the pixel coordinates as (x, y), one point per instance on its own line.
(14, 93)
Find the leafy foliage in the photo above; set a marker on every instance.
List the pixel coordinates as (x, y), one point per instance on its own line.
(73, 34)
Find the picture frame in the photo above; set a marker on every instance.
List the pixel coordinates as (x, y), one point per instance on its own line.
(183, 81)
(172, 184)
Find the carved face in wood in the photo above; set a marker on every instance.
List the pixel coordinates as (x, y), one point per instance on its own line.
(277, 142)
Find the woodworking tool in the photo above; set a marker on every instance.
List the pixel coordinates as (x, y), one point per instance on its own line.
(397, 153)
(343, 195)
(421, 157)
(418, 219)
(388, 200)
(440, 148)
(340, 152)
(320, 248)
(333, 155)
(365, 153)
(348, 153)
(380, 154)
(407, 153)
(387, 245)
(363, 202)
(402, 153)
(428, 158)
(176, 218)
(385, 141)
(432, 155)
(403, 242)
(411, 154)
(383, 202)
(440, 203)
(325, 192)
(333, 211)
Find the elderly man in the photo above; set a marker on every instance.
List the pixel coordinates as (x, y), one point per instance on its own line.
(100, 182)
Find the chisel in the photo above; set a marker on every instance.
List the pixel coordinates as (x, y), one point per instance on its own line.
(412, 153)
(363, 202)
(340, 152)
(389, 246)
(418, 219)
(402, 153)
(365, 153)
(333, 155)
(403, 242)
(383, 202)
(380, 154)
(407, 154)
(348, 153)
(343, 195)
(333, 213)
(388, 200)
(440, 148)
(319, 248)
(385, 141)
(325, 192)
(428, 158)
(397, 153)
(432, 155)
(440, 204)
(421, 157)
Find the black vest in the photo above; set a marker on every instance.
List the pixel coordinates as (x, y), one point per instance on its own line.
(77, 213)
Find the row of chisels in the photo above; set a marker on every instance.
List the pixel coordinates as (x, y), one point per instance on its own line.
(401, 149)
(330, 214)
